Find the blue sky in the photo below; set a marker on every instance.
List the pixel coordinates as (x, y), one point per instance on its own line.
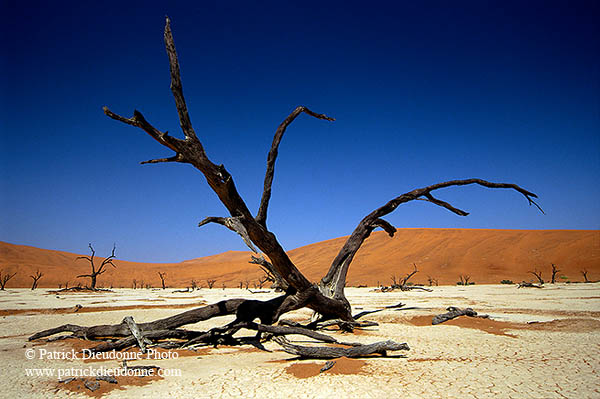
(422, 92)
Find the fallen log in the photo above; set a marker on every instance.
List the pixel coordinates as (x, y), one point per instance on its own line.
(529, 285)
(122, 330)
(453, 313)
(324, 352)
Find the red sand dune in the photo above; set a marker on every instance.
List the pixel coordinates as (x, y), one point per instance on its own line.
(487, 256)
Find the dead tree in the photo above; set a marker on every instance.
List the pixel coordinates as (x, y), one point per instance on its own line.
(464, 279)
(432, 281)
(101, 269)
(403, 285)
(210, 283)
(134, 283)
(38, 275)
(408, 276)
(584, 272)
(554, 273)
(538, 275)
(5, 279)
(270, 274)
(326, 297)
(162, 279)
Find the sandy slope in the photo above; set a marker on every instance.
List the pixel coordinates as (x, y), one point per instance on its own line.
(488, 256)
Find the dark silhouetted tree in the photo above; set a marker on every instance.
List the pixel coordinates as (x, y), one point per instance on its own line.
(95, 272)
(5, 278)
(36, 277)
(162, 279)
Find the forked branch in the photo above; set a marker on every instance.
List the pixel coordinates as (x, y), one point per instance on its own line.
(261, 216)
(333, 283)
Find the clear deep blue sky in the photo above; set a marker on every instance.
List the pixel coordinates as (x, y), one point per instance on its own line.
(422, 92)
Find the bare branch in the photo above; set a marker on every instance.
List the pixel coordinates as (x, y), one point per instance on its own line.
(234, 224)
(409, 275)
(538, 275)
(261, 216)
(385, 225)
(333, 282)
(138, 120)
(430, 198)
(271, 274)
(176, 87)
(174, 158)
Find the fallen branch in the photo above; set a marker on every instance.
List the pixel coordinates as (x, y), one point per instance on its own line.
(529, 285)
(329, 364)
(454, 313)
(122, 330)
(324, 352)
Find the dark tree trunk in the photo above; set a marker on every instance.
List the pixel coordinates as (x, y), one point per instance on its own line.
(554, 272)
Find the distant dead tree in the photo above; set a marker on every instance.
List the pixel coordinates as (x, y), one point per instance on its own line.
(584, 272)
(194, 284)
(464, 279)
(408, 276)
(210, 282)
(246, 283)
(101, 269)
(432, 281)
(134, 284)
(554, 273)
(223, 285)
(538, 275)
(262, 280)
(270, 274)
(38, 275)
(5, 278)
(403, 284)
(162, 279)
(241, 285)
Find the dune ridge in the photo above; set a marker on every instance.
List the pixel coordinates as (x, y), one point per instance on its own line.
(487, 256)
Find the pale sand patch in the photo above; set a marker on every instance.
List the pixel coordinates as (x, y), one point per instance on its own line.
(466, 358)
